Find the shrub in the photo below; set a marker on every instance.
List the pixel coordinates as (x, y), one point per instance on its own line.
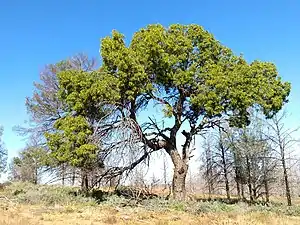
(45, 194)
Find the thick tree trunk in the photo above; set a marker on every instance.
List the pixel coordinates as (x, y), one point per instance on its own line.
(84, 181)
(179, 176)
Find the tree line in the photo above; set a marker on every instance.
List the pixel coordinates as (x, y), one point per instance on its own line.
(252, 160)
(95, 123)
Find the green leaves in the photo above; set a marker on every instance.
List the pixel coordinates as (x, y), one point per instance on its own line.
(83, 91)
(212, 79)
(71, 143)
(182, 67)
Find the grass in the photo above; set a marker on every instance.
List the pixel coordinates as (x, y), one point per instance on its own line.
(24, 203)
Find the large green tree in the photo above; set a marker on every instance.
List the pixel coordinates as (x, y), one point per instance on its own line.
(186, 71)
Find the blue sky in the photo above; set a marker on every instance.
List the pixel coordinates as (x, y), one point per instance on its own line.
(35, 33)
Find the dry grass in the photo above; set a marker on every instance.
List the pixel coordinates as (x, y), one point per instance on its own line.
(26, 204)
(96, 215)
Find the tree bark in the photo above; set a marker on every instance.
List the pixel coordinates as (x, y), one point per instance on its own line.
(179, 176)
(286, 181)
(84, 181)
(224, 162)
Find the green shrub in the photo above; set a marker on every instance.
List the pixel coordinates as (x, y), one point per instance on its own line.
(45, 194)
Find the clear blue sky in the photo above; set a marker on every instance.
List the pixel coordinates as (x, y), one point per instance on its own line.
(35, 33)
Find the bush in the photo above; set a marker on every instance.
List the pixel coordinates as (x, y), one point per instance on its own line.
(45, 194)
(53, 194)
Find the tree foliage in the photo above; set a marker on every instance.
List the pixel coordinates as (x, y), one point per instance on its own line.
(44, 107)
(71, 143)
(188, 72)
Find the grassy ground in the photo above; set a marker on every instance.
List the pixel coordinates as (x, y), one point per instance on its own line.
(22, 204)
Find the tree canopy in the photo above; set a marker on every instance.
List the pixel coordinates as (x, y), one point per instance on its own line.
(184, 69)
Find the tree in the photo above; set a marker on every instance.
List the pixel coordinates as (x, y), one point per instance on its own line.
(28, 166)
(189, 74)
(223, 156)
(72, 144)
(254, 161)
(210, 175)
(3, 154)
(282, 141)
(45, 107)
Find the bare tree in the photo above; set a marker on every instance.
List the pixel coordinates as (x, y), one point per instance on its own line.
(210, 174)
(3, 154)
(282, 142)
(165, 173)
(223, 158)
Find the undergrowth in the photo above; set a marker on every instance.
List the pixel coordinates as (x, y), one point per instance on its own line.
(50, 195)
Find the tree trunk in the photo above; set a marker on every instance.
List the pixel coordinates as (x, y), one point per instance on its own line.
(286, 181)
(179, 176)
(209, 172)
(227, 187)
(267, 192)
(84, 181)
(63, 174)
(238, 190)
(242, 192)
(224, 162)
(35, 175)
(254, 191)
(73, 177)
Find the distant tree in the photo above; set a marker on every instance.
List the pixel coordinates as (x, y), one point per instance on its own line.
(165, 172)
(282, 141)
(254, 160)
(208, 167)
(186, 71)
(223, 159)
(28, 166)
(3, 154)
